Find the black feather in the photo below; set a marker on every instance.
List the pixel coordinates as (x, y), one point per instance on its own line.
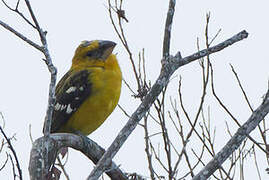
(74, 98)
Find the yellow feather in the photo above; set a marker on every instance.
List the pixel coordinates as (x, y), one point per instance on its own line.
(105, 77)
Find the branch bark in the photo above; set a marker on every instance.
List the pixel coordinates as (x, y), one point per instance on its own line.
(168, 28)
(55, 142)
(169, 66)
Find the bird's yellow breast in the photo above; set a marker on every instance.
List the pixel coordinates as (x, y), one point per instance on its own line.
(104, 96)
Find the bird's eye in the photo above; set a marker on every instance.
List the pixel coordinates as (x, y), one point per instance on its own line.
(90, 53)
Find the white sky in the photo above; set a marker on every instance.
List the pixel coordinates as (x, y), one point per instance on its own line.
(24, 76)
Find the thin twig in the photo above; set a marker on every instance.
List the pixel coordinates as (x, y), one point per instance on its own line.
(159, 106)
(13, 152)
(123, 110)
(13, 166)
(256, 163)
(3, 166)
(216, 35)
(226, 109)
(61, 165)
(6, 26)
(16, 10)
(52, 69)
(30, 134)
(147, 148)
(123, 39)
(157, 157)
(248, 102)
(241, 87)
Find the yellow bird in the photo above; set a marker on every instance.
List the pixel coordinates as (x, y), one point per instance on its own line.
(88, 93)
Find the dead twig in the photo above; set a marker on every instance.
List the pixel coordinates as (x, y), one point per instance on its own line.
(13, 153)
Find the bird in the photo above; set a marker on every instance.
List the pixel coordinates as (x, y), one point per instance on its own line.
(88, 93)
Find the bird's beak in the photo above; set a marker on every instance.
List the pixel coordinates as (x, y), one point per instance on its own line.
(107, 48)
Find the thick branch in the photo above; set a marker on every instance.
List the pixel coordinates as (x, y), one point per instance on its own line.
(241, 134)
(56, 141)
(170, 64)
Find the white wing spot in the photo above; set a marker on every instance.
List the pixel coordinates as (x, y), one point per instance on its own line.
(57, 106)
(69, 109)
(71, 89)
(76, 98)
(63, 107)
(81, 88)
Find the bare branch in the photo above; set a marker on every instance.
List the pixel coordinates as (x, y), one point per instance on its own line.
(241, 134)
(147, 149)
(61, 165)
(123, 110)
(52, 70)
(55, 142)
(238, 37)
(41, 33)
(3, 166)
(256, 163)
(48, 60)
(230, 114)
(122, 37)
(168, 28)
(263, 135)
(16, 10)
(6, 26)
(241, 87)
(13, 166)
(13, 153)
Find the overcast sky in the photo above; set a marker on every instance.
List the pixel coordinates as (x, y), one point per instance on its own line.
(24, 76)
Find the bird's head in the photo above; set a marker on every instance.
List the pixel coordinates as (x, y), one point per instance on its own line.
(93, 53)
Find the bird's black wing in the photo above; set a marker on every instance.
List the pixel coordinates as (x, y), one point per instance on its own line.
(71, 91)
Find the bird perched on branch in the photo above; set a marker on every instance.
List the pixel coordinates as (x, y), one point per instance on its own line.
(88, 93)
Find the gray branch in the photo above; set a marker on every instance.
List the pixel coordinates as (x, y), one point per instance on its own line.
(168, 28)
(53, 72)
(6, 26)
(55, 142)
(241, 134)
(52, 69)
(44, 49)
(169, 66)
